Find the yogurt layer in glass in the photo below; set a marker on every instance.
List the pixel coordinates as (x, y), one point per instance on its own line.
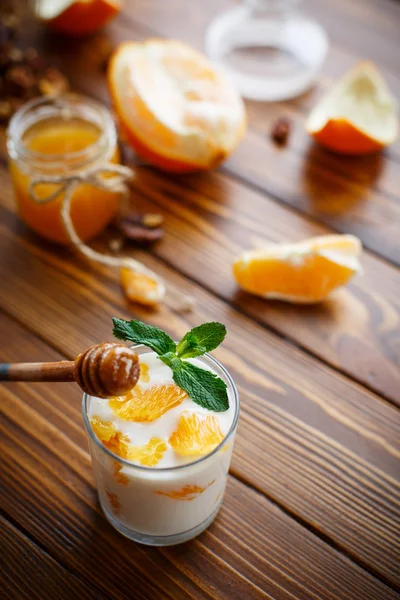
(178, 497)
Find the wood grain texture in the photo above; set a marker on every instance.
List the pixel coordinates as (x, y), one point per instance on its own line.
(357, 331)
(366, 30)
(332, 448)
(361, 322)
(313, 504)
(356, 195)
(253, 550)
(27, 572)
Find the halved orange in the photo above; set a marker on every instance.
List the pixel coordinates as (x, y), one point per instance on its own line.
(148, 405)
(304, 272)
(175, 108)
(196, 435)
(358, 116)
(142, 288)
(77, 17)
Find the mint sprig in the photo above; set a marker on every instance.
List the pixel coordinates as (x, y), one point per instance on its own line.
(204, 387)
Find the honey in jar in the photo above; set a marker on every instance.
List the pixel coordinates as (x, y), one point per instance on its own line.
(58, 138)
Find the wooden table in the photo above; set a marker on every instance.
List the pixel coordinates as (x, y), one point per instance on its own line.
(312, 507)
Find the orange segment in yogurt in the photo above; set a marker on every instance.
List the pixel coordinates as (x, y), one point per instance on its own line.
(115, 502)
(107, 433)
(118, 475)
(149, 454)
(148, 405)
(195, 435)
(188, 492)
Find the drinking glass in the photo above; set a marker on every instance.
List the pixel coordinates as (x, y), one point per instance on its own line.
(269, 48)
(169, 505)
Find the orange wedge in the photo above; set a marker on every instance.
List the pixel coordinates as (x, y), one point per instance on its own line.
(77, 17)
(142, 288)
(305, 272)
(358, 116)
(196, 435)
(175, 108)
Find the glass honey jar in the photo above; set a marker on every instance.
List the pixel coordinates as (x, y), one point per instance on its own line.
(59, 138)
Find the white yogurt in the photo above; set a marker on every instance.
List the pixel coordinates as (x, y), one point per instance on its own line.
(177, 498)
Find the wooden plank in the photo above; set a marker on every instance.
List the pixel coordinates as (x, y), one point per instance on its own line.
(353, 32)
(211, 221)
(315, 442)
(253, 550)
(30, 573)
(341, 193)
(356, 195)
(91, 78)
(360, 174)
(355, 331)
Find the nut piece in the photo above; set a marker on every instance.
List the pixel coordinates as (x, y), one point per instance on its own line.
(53, 82)
(141, 229)
(107, 369)
(23, 74)
(115, 244)
(19, 79)
(152, 220)
(280, 131)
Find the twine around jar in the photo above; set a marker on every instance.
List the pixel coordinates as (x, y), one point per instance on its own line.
(112, 178)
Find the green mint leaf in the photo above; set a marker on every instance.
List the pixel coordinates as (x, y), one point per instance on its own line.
(171, 360)
(140, 333)
(204, 387)
(201, 339)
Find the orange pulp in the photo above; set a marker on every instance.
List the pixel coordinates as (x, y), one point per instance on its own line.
(91, 208)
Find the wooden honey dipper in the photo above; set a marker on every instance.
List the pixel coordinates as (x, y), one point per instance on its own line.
(103, 370)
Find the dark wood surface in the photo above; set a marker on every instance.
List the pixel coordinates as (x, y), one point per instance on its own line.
(313, 503)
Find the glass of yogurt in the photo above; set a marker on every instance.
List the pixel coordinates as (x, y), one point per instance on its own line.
(150, 489)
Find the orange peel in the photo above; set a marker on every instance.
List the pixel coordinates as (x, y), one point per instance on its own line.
(358, 115)
(77, 17)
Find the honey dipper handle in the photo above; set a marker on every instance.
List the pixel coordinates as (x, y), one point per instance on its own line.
(47, 371)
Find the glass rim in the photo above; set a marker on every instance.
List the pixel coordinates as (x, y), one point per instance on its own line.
(16, 130)
(134, 465)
